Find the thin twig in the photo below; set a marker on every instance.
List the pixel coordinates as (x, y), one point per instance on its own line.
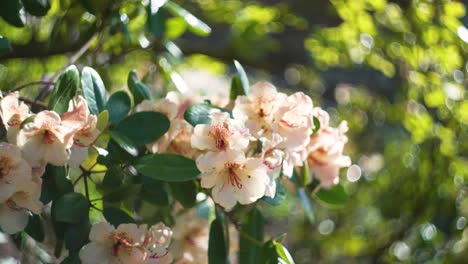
(35, 103)
(31, 84)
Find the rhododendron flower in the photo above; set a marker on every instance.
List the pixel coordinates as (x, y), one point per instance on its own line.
(191, 235)
(180, 143)
(46, 140)
(257, 109)
(325, 151)
(14, 170)
(233, 177)
(222, 134)
(13, 112)
(14, 213)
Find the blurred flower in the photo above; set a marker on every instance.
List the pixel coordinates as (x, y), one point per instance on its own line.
(157, 241)
(14, 170)
(13, 113)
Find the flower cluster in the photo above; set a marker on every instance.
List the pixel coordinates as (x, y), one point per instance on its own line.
(128, 243)
(33, 141)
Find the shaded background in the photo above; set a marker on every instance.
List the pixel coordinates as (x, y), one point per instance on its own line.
(395, 70)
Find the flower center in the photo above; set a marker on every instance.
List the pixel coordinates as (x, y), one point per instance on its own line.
(233, 177)
(48, 138)
(220, 133)
(5, 166)
(120, 240)
(12, 205)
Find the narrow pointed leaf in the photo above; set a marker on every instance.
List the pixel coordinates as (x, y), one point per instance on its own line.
(195, 25)
(243, 77)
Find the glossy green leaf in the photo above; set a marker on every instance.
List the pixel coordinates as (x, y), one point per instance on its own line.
(185, 192)
(252, 225)
(54, 183)
(236, 88)
(217, 249)
(334, 196)
(5, 46)
(243, 77)
(124, 142)
(36, 7)
(273, 252)
(113, 177)
(10, 12)
(138, 89)
(283, 253)
(195, 25)
(64, 89)
(155, 192)
(70, 208)
(34, 228)
(316, 125)
(143, 127)
(76, 235)
(201, 113)
(118, 106)
(156, 18)
(116, 216)
(167, 167)
(93, 90)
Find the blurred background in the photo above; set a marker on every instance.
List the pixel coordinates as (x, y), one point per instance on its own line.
(395, 70)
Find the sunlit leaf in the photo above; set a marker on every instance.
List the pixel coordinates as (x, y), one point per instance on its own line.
(64, 90)
(334, 196)
(93, 90)
(195, 25)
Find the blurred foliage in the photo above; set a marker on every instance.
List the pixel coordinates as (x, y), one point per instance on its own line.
(395, 70)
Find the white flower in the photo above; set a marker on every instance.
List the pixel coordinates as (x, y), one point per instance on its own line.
(325, 151)
(257, 109)
(222, 134)
(13, 113)
(233, 177)
(180, 143)
(46, 140)
(14, 170)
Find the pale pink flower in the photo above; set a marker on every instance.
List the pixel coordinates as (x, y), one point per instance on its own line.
(222, 134)
(13, 113)
(180, 143)
(14, 170)
(233, 177)
(46, 140)
(325, 151)
(257, 109)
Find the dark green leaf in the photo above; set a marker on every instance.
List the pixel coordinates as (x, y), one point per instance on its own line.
(70, 208)
(268, 254)
(124, 142)
(167, 167)
(335, 196)
(283, 253)
(144, 127)
(217, 249)
(156, 192)
(64, 90)
(5, 46)
(243, 77)
(201, 113)
(113, 177)
(35, 228)
(116, 155)
(252, 225)
(236, 88)
(121, 193)
(185, 192)
(156, 21)
(54, 183)
(76, 235)
(118, 106)
(316, 125)
(36, 7)
(116, 216)
(138, 89)
(93, 90)
(195, 25)
(10, 12)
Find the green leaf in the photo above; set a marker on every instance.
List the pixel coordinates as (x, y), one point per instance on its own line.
(195, 25)
(54, 183)
(185, 192)
(334, 196)
(283, 253)
(156, 192)
(252, 225)
(124, 142)
(118, 106)
(113, 177)
(167, 167)
(306, 204)
(27, 120)
(93, 90)
(279, 195)
(73, 258)
(236, 88)
(143, 127)
(76, 235)
(316, 125)
(10, 12)
(116, 155)
(217, 249)
(305, 179)
(274, 252)
(36, 7)
(138, 89)
(121, 193)
(35, 228)
(116, 216)
(201, 113)
(64, 90)
(5, 46)
(156, 21)
(71, 208)
(243, 77)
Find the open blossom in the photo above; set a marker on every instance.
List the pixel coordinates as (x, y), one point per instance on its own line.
(222, 134)
(233, 177)
(46, 140)
(128, 243)
(13, 112)
(180, 143)
(14, 170)
(258, 108)
(325, 151)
